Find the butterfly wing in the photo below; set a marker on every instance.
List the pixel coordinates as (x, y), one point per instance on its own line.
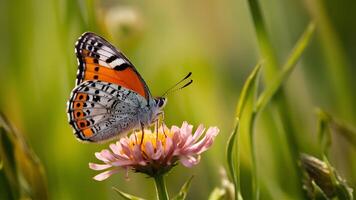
(99, 60)
(99, 110)
(109, 91)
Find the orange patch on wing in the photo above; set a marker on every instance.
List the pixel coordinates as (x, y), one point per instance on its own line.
(81, 97)
(89, 60)
(78, 114)
(82, 123)
(127, 78)
(78, 105)
(88, 132)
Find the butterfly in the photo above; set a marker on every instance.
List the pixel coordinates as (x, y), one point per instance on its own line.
(110, 98)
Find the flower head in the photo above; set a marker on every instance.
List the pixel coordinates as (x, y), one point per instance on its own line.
(157, 153)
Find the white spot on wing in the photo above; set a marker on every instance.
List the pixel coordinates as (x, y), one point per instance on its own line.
(106, 48)
(102, 63)
(116, 62)
(104, 53)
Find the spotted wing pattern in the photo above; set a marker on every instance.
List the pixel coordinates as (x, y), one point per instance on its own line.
(99, 60)
(99, 110)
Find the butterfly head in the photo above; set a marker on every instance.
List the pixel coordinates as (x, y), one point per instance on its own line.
(160, 102)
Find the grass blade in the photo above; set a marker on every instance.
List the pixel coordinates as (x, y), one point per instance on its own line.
(271, 72)
(21, 167)
(232, 150)
(270, 91)
(287, 68)
(126, 195)
(184, 190)
(323, 132)
(327, 123)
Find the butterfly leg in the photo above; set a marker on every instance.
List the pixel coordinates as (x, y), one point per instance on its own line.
(156, 125)
(143, 133)
(156, 128)
(161, 114)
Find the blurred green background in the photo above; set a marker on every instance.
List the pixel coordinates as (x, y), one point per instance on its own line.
(166, 39)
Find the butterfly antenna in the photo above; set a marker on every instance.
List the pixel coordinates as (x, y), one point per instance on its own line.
(190, 82)
(177, 89)
(173, 88)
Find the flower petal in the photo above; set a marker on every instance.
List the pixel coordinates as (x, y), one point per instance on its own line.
(204, 143)
(105, 175)
(126, 148)
(116, 149)
(107, 154)
(121, 163)
(200, 130)
(137, 154)
(159, 151)
(189, 161)
(100, 157)
(175, 129)
(149, 149)
(98, 167)
(169, 149)
(193, 138)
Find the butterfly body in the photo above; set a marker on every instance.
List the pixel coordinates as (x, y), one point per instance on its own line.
(110, 98)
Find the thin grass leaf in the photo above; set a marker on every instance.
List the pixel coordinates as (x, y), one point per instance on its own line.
(288, 67)
(270, 73)
(248, 88)
(250, 116)
(232, 150)
(323, 131)
(233, 166)
(22, 169)
(126, 195)
(9, 186)
(326, 123)
(337, 64)
(184, 190)
(267, 95)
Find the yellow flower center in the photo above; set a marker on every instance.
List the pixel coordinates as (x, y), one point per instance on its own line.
(152, 137)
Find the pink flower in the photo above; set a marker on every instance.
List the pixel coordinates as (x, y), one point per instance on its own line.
(155, 155)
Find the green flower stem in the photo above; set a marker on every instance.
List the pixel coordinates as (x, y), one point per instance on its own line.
(161, 189)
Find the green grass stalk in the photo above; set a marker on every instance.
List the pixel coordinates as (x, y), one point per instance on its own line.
(233, 144)
(273, 89)
(271, 71)
(337, 64)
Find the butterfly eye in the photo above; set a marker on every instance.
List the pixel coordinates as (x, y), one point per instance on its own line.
(161, 102)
